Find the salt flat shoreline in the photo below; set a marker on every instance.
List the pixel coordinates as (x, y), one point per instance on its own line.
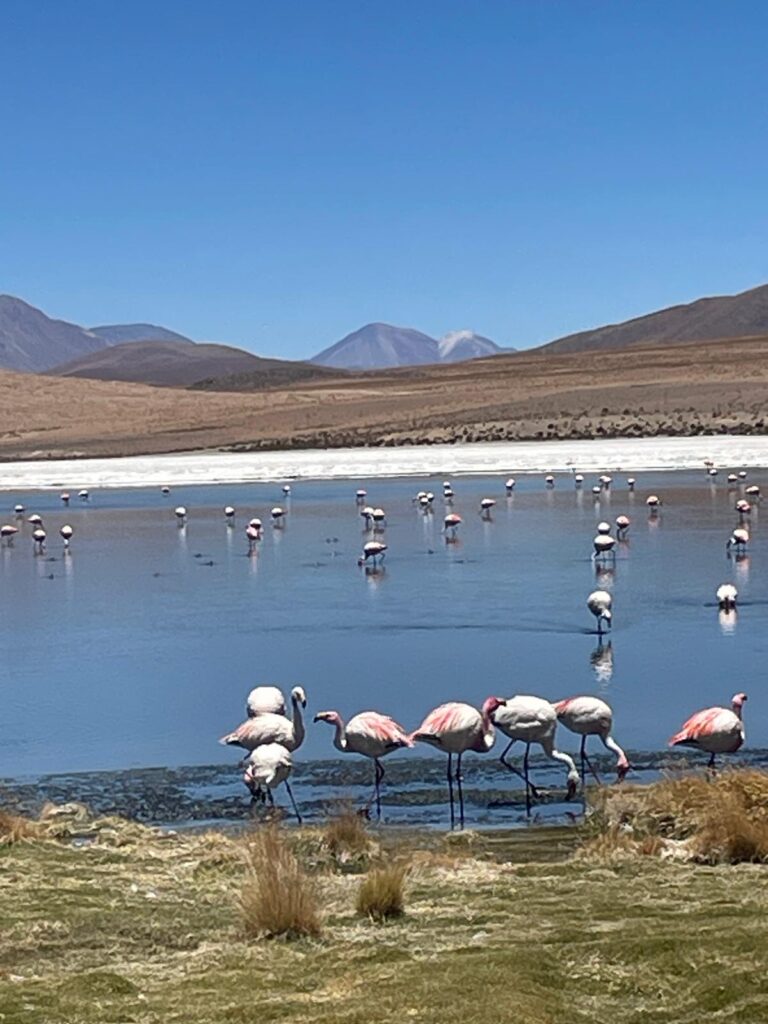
(448, 460)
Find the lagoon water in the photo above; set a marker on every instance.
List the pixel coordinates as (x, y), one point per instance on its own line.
(137, 650)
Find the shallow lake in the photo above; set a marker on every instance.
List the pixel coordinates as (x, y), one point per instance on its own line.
(138, 648)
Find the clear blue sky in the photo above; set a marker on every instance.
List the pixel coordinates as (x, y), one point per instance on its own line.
(275, 174)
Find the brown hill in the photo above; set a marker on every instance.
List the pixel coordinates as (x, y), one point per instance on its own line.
(722, 316)
(663, 389)
(180, 364)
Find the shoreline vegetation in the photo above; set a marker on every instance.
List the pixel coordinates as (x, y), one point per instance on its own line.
(652, 910)
(671, 390)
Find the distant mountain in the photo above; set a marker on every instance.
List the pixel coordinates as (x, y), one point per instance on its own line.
(458, 346)
(723, 316)
(32, 341)
(379, 346)
(167, 363)
(115, 334)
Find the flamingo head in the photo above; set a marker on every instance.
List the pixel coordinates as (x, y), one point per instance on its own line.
(328, 716)
(622, 767)
(737, 701)
(490, 704)
(298, 696)
(573, 784)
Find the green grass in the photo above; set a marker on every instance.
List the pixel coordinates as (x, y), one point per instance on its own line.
(503, 927)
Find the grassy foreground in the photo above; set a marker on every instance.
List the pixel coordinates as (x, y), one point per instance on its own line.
(110, 922)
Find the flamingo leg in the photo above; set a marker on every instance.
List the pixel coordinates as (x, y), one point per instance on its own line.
(512, 768)
(293, 802)
(711, 764)
(377, 783)
(450, 788)
(527, 780)
(585, 761)
(461, 791)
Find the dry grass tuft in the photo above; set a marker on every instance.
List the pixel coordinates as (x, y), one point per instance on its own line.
(382, 893)
(715, 820)
(277, 899)
(14, 828)
(347, 838)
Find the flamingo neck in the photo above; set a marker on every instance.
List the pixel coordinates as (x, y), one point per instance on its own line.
(737, 709)
(489, 732)
(340, 736)
(611, 744)
(297, 720)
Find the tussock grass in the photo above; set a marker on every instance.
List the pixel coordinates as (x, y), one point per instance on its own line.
(14, 828)
(382, 893)
(720, 820)
(346, 838)
(278, 899)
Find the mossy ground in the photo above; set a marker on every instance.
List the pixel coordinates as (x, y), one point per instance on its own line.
(134, 927)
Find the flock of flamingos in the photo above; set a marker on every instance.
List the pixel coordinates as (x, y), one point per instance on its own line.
(270, 736)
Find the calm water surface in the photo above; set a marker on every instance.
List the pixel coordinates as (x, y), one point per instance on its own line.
(137, 650)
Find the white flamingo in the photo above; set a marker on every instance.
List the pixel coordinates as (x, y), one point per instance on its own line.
(229, 515)
(371, 734)
(254, 536)
(532, 720)
(375, 550)
(590, 716)
(739, 540)
(271, 728)
(262, 700)
(278, 516)
(455, 728)
(603, 545)
(181, 515)
(66, 532)
(726, 596)
(622, 526)
(599, 603)
(451, 524)
(486, 507)
(265, 768)
(38, 537)
(7, 533)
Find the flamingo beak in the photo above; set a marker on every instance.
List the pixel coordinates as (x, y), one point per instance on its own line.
(621, 772)
(572, 787)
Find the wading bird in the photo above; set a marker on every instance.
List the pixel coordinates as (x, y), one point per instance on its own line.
(590, 716)
(603, 545)
(181, 515)
(271, 728)
(263, 700)
(229, 515)
(254, 536)
(278, 515)
(375, 550)
(38, 537)
(7, 533)
(456, 728)
(599, 603)
(371, 734)
(64, 497)
(451, 524)
(739, 540)
(66, 532)
(532, 720)
(726, 596)
(84, 495)
(622, 526)
(486, 505)
(265, 768)
(714, 730)
(509, 486)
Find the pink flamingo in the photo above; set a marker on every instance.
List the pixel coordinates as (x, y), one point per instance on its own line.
(371, 734)
(456, 728)
(590, 716)
(265, 700)
(714, 730)
(265, 768)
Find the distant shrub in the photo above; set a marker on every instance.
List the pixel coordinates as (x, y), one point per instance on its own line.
(382, 893)
(277, 899)
(346, 837)
(14, 828)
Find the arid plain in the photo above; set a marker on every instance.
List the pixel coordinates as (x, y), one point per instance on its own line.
(664, 389)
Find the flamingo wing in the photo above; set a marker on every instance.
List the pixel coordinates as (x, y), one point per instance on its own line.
(382, 728)
(698, 727)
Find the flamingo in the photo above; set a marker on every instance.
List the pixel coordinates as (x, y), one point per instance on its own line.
(622, 526)
(549, 480)
(753, 491)
(265, 700)
(19, 510)
(181, 515)
(373, 549)
(451, 524)
(631, 483)
(590, 716)
(7, 533)
(66, 532)
(732, 478)
(714, 730)
(743, 508)
(360, 496)
(371, 734)
(64, 497)
(265, 768)
(604, 528)
(456, 728)
(532, 720)
(726, 596)
(254, 536)
(510, 485)
(277, 514)
(229, 515)
(603, 545)
(486, 505)
(35, 519)
(599, 603)
(286, 489)
(578, 480)
(739, 540)
(38, 536)
(379, 518)
(606, 481)
(653, 501)
(742, 474)
(448, 496)
(597, 490)
(256, 524)
(712, 473)
(271, 728)
(367, 514)
(165, 489)
(84, 494)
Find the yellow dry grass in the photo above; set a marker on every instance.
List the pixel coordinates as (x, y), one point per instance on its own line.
(278, 899)
(382, 893)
